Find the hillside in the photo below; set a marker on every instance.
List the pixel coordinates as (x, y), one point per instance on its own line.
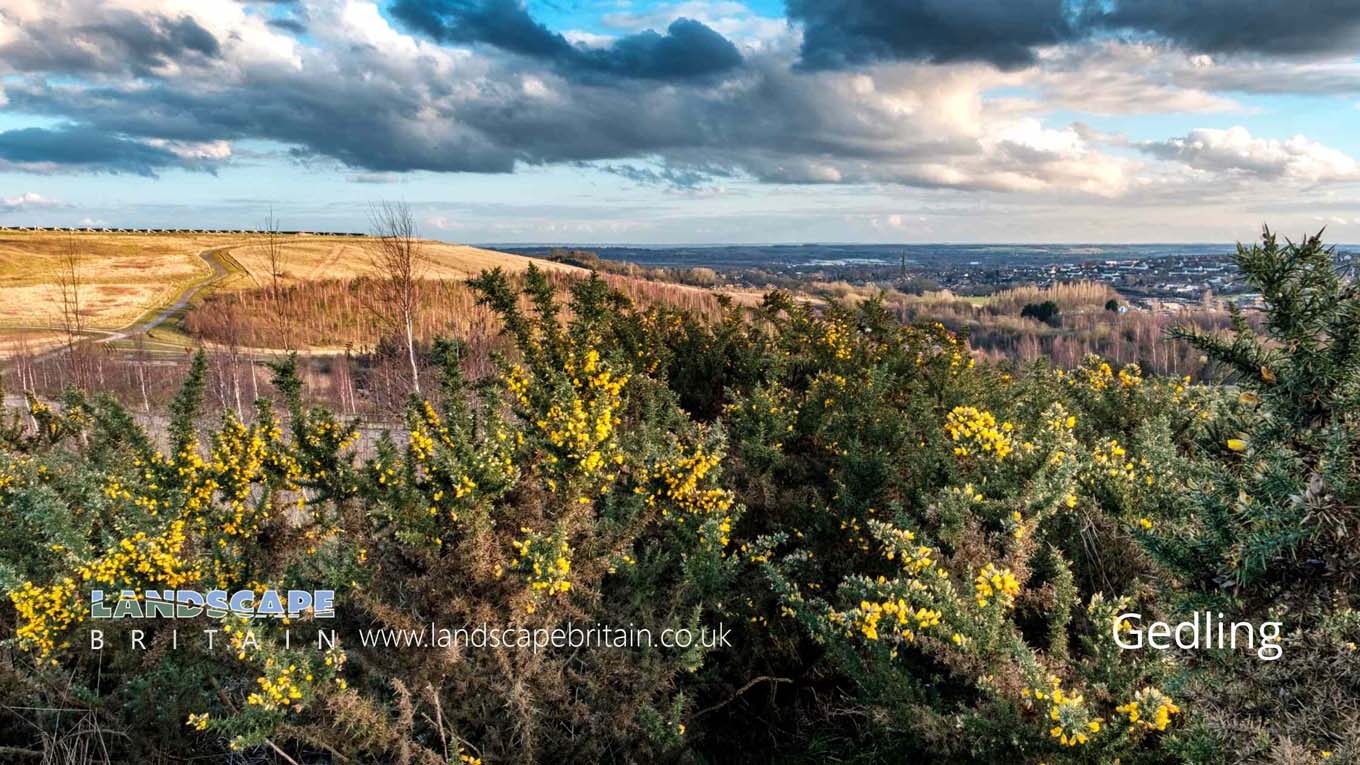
(308, 259)
(124, 275)
(129, 280)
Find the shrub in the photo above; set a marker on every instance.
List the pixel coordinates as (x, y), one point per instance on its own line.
(1046, 312)
(918, 556)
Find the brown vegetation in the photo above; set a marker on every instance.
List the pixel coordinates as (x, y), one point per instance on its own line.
(334, 314)
(997, 330)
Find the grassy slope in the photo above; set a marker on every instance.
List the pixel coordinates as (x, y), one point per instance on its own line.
(123, 275)
(129, 279)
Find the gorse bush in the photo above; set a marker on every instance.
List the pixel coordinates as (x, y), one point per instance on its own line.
(913, 556)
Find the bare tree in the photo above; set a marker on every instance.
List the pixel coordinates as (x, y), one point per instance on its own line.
(396, 259)
(141, 360)
(72, 320)
(273, 252)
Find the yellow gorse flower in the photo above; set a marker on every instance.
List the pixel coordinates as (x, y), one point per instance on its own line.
(975, 431)
(994, 584)
(1150, 710)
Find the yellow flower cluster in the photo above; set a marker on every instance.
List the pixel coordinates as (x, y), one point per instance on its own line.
(1131, 376)
(584, 426)
(325, 439)
(975, 431)
(1150, 710)
(836, 337)
(1071, 722)
(1058, 419)
(198, 721)
(1097, 375)
(450, 478)
(684, 489)
(238, 459)
(517, 382)
(46, 612)
(420, 444)
(145, 559)
(907, 622)
(967, 492)
(900, 544)
(995, 584)
(546, 561)
(281, 690)
(1110, 458)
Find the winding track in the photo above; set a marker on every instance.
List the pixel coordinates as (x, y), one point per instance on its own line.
(139, 327)
(219, 272)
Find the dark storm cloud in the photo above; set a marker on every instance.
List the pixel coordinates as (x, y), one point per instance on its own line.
(124, 41)
(160, 38)
(83, 148)
(689, 49)
(843, 33)
(528, 96)
(368, 127)
(1006, 33)
(1284, 27)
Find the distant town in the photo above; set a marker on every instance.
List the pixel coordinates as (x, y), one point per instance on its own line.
(1149, 276)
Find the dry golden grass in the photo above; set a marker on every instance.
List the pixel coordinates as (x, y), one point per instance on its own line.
(126, 276)
(306, 259)
(15, 341)
(123, 275)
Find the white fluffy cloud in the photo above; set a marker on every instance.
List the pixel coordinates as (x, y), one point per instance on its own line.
(26, 202)
(1235, 153)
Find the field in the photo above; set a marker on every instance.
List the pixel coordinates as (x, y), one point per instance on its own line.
(315, 258)
(124, 275)
(127, 280)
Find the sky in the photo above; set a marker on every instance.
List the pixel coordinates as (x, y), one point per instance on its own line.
(694, 122)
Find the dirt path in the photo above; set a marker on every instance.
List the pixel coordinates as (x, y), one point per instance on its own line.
(219, 272)
(140, 327)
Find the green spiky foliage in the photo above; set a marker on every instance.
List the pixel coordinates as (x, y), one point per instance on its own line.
(1279, 492)
(1269, 520)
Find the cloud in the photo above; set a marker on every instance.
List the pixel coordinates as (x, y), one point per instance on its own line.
(491, 90)
(112, 40)
(689, 49)
(379, 101)
(27, 201)
(1279, 27)
(289, 24)
(843, 33)
(373, 178)
(729, 18)
(1234, 153)
(688, 178)
(1129, 77)
(1010, 34)
(77, 148)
